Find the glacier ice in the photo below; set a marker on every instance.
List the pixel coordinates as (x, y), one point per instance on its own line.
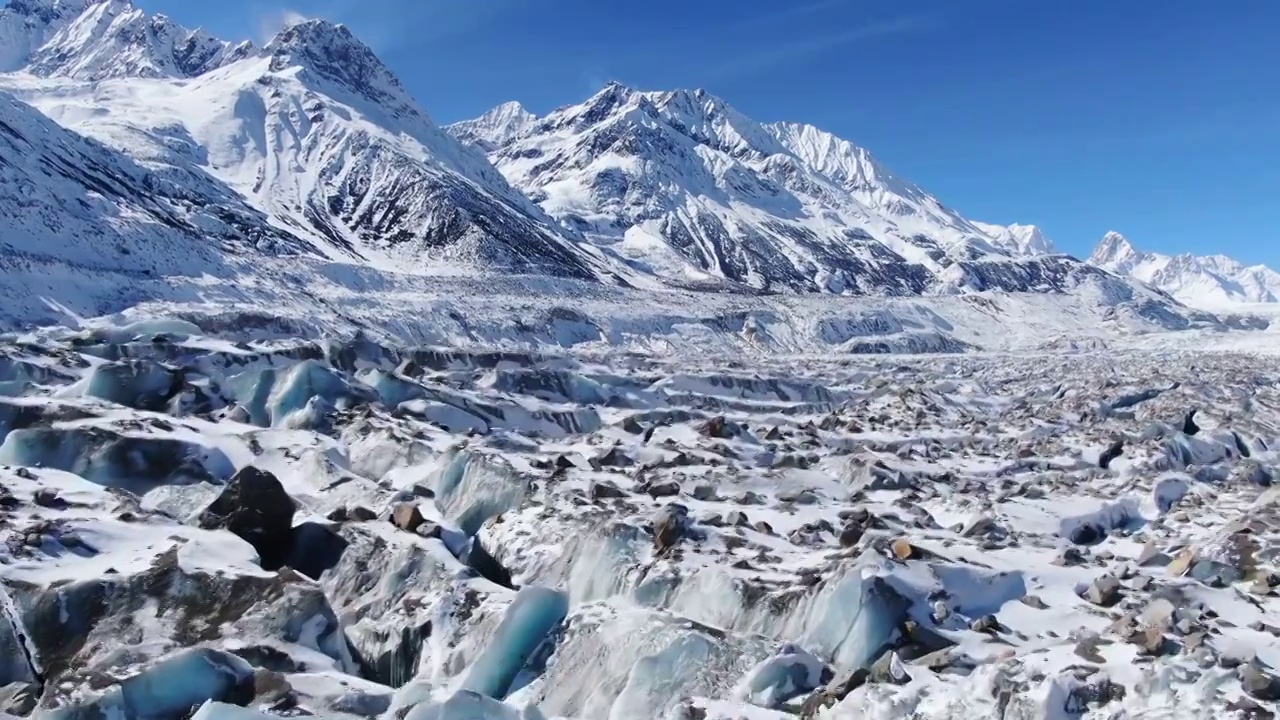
(172, 687)
(534, 614)
(468, 705)
(791, 672)
(142, 384)
(135, 463)
(470, 489)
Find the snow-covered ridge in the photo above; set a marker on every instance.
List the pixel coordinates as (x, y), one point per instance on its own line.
(110, 38)
(1209, 281)
(314, 143)
(682, 185)
(313, 131)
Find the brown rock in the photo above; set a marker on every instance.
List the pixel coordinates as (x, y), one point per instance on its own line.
(1182, 562)
(407, 517)
(902, 549)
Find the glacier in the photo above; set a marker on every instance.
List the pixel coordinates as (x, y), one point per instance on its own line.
(639, 408)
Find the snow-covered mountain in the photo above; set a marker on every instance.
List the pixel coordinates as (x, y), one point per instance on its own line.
(1019, 240)
(682, 185)
(312, 130)
(313, 143)
(1200, 281)
(80, 220)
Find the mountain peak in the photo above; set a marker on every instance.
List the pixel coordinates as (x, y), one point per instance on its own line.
(99, 39)
(332, 52)
(1207, 281)
(26, 25)
(1019, 240)
(1114, 250)
(495, 128)
(47, 8)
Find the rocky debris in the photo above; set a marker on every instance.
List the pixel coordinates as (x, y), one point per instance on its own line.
(1151, 640)
(606, 490)
(354, 513)
(615, 457)
(889, 670)
(662, 489)
(902, 549)
(19, 698)
(705, 492)
(1247, 709)
(1259, 685)
(986, 447)
(984, 526)
(850, 535)
(47, 498)
(77, 628)
(1181, 563)
(669, 526)
(803, 497)
(833, 693)
(719, 427)
(1104, 591)
(255, 506)
(873, 476)
(1034, 601)
(1091, 689)
(985, 624)
(407, 517)
(1113, 451)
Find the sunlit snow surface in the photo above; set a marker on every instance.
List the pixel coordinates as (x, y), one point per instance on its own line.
(939, 520)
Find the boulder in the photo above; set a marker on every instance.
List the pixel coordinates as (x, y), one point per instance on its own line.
(1105, 591)
(1258, 684)
(255, 506)
(670, 488)
(605, 490)
(1115, 450)
(407, 517)
(669, 526)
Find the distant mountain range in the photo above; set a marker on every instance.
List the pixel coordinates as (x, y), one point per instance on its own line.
(1202, 281)
(204, 151)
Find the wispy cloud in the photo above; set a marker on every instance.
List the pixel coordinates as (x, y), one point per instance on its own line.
(796, 11)
(273, 21)
(792, 52)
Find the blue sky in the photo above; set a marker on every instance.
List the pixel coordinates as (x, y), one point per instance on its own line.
(1157, 118)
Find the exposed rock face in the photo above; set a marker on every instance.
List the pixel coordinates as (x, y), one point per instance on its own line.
(255, 506)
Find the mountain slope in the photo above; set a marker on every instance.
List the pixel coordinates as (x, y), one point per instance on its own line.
(1200, 281)
(80, 223)
(313, 130)
(313, 146)
(680, 184)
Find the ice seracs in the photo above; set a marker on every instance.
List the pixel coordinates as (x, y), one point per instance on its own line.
(858, 537)
(1211, 281)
